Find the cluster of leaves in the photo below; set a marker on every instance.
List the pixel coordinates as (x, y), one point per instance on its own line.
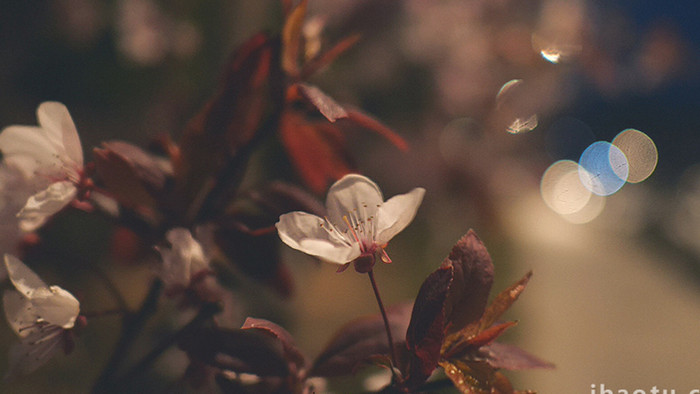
(263, 93)
(449, 326)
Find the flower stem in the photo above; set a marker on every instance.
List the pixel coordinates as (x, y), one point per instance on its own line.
(392, 352)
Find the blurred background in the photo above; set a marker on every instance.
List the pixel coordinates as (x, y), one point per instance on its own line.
(492, 97)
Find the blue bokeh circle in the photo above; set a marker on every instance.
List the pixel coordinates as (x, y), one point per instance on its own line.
(603, 168)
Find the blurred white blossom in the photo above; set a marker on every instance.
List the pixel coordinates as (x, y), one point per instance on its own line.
(185, 259)
(15, 189)
(49, 157)
(39, 314)
(147, 34)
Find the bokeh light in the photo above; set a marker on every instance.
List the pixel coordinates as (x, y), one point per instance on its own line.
(507, 87)
(515, 105)
(603, 168)
(520, 125)
(559, 34)
(554, 52)
(593, 208)
(561, 188)
(640, 151)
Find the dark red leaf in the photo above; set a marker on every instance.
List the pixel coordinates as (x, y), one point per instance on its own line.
(327, 57)
(251, 96)
(503, 301)
(235, 113)
(470, 377)
(464, 342)
(505, 356)
(254, 253)
(469, 354)
(292, 352)
(490, 334)
(135, 178)
(317, 150)
(152, 171)
(248, 351)
(360, 119)
(501, 385)
(358, 340)
(473, 277)
(426, 329)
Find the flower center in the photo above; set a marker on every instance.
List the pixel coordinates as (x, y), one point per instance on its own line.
(362, 228)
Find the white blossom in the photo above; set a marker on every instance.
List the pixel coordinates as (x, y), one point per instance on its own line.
(39, 314)
(185, 258)
(50, 157)
(359, 222)
(15, 189)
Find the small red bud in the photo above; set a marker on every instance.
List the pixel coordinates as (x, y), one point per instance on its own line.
(80, 323)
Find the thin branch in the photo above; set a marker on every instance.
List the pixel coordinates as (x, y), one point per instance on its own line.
(205, 313)
(133, 325)
(111, 287)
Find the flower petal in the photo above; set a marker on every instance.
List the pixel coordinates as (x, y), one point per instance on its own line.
(26, 357)
(189, 248)
(174, 271)
(329, 252)
(47, 202)
(395, 214)
(353, 194)
(58, 307)
(34, 299)
(183, 259)
(29, 150)
(18, 312)
(23, 278)
(306, 232)
(60, 130)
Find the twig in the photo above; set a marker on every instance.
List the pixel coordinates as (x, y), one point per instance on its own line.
(133, 325)
(110, 286)
(205, 313)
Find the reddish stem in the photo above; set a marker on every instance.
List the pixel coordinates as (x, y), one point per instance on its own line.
(392, 352)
